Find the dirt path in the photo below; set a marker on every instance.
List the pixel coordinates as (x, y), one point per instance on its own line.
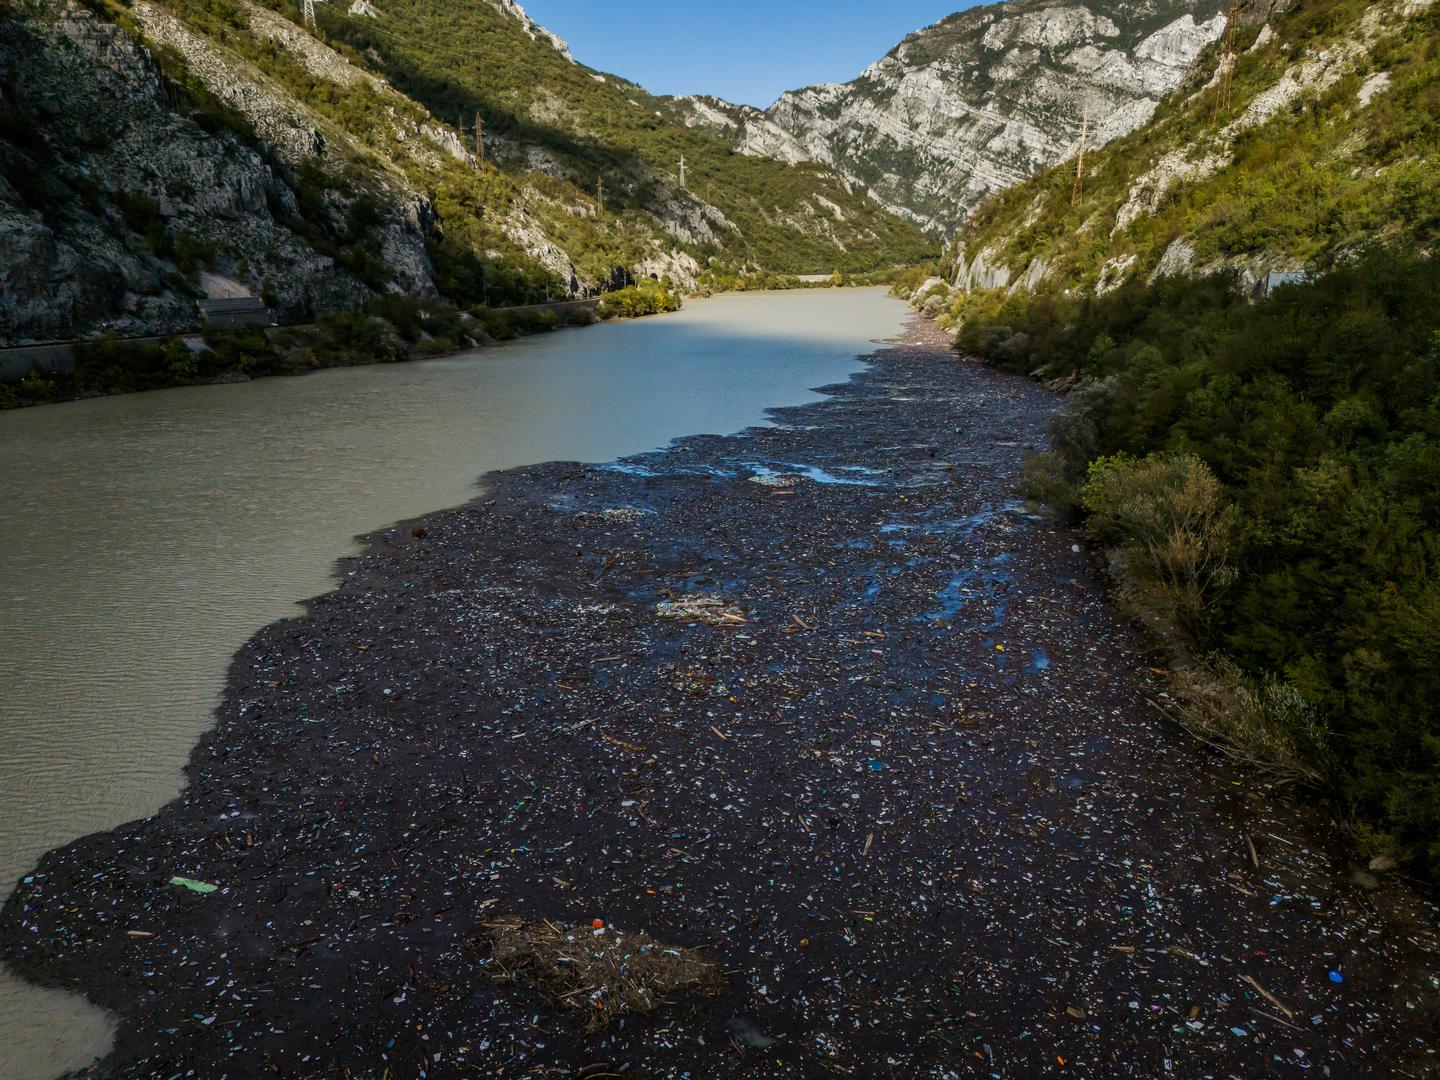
(915, 803)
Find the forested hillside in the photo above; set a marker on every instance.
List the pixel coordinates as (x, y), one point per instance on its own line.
(544, 113)
(1261, 460)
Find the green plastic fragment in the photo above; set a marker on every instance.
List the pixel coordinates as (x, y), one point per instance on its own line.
(193, 885)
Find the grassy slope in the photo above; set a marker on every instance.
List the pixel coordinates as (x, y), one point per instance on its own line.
(1321, 176)
(466, 57)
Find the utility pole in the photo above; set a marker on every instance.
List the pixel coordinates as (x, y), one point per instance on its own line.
(1079, 188)
(479, 140)
(682, 171)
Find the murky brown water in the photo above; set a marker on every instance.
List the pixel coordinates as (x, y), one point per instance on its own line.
(143, 538)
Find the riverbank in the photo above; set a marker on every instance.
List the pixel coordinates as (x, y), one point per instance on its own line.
(892, 767)
(392, 330)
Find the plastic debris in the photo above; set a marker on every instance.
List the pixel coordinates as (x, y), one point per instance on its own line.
(541, 708)
(193, 885)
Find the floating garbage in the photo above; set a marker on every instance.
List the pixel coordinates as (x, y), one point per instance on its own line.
(203, 887)
(773, 740)
(715, 610)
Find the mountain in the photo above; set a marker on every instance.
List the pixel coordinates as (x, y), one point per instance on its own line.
(153, 152)
(1314, 137)
(979, 101)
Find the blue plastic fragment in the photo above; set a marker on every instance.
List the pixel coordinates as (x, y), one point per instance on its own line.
(1336, 977)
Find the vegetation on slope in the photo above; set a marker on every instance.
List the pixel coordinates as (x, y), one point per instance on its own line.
(373, 188)
(476, 258)
(1348, 156)
(1271, 475)
(1265, 474)
(466, 58)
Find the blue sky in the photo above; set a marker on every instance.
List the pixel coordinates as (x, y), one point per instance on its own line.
(741, 50)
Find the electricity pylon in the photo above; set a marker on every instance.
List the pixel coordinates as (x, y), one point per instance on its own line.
(1079, 188)
(1227, 59)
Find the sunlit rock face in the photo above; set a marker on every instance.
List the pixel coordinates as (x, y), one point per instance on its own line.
(980, 100)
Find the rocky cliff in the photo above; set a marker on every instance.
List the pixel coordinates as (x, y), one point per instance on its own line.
(1311, 141)
(980, 100)
(152, 151)
(116, 189)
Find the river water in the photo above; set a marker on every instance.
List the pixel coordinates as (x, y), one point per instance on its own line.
(143, 538)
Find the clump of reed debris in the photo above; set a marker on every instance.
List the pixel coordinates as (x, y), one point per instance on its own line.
(601, 972)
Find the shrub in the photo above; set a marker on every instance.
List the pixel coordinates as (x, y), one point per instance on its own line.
(111, 363)
(1043, 482)
(647, 298)
(1262, 720)
(1168, 518)
(244, 349)
(505, 325)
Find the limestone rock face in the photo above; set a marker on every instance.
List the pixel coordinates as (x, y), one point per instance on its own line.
(122, 192)
(980, 100)
(533, 30)
(122, 174)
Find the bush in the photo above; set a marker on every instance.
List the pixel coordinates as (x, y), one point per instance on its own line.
(1286, 456)
(505, 325)
(1168, 518)
(243, 349)
(110, 364)
(1262, 720)
(647, 298)
(1044, 483)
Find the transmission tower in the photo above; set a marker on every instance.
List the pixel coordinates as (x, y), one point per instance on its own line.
(308, 12)
(600, 192)
(1227, 59)
(479, 140)
(682, 171)
(1079, 189)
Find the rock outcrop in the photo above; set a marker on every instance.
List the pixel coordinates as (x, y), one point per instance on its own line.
(121, 190)
(1186, 197)
(533, 30)
(980, 100)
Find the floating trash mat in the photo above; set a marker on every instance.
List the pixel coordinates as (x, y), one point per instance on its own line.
(701, 607)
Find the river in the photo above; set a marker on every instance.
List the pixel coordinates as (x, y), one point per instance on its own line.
(143, 538)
